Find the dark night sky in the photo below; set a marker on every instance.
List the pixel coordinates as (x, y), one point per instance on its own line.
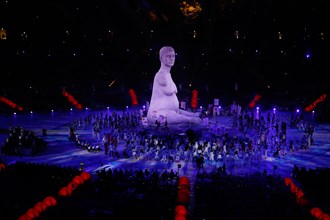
(84, 45)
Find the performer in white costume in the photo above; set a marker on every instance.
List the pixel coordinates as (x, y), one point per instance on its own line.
(164, 104)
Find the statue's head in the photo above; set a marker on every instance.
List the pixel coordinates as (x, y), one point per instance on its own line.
(167, 55)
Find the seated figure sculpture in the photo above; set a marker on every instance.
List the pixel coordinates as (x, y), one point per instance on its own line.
(164, 104)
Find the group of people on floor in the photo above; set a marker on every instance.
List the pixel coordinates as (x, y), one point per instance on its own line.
(257, 137)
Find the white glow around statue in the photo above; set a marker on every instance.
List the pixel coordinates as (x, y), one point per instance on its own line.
(164, 104)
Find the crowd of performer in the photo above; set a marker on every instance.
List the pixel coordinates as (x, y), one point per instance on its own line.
(257, 135)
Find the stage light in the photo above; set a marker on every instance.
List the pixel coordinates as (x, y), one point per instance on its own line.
(313, 105)
(3, 34)
(133, 97)
(190, 9)
(112, 83)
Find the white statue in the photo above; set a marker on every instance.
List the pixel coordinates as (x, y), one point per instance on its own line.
(164, 104)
